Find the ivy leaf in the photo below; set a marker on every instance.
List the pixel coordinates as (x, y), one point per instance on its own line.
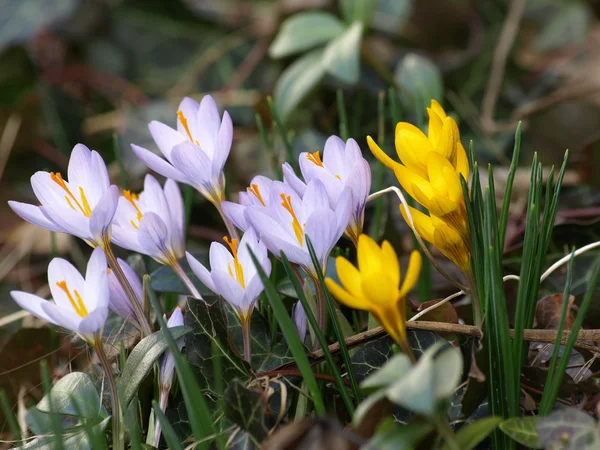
(523, 430)
(246, 408)
(79, 386)
(142, 359)
(568, 429)
(293, 37)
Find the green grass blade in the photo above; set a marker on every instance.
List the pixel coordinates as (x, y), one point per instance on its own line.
(341, 105)
(291, 336)
(200, 416)
(54, 418)
(289, 150)
(10, 417)
(168, 432)
(547, 402)
(319, 335)
(336, 325)
(509, 184)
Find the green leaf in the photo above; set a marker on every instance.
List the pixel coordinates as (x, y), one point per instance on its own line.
(142, 359)
(297, 81)
(404, 437)
(522, 430)
(294, 35)
(342, 55)
(395, 368)
(472, 434)
(80, 386)
(568, 429)
(361, 10)
(164, 279)
(246, 408)
(75, 438)
(419, 80)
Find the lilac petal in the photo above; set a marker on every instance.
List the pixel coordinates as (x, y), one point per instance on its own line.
(72, 222)
(66, 318)
(225, 138)
(47, 191)
(189, 107)
(291, 179)
(165, 137)
(103, 214)
(60, 270)
(264, 224)
(219, 257)
(193, 164)
(300, 320)
(201, 272)
(118, 300)
(334, 156)
(176, 319)
(343, 211)
(34, 215)
(315, 198)
(33, 304)
(177, 216)
(133, 278)
(208, 125)
(79, 166)
(254, 285)
(93, 322)
(361, 183)
(229, 289)
(96, 281)
(99, 172)
(321, 227)
(126, 237)
(159, 165)
(294, 253)
(235, 213)
(153, 237)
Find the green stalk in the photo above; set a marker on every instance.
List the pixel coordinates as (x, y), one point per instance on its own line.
(509, 184)
(341, 104)
(10, 417)
(171, 438)
(291, 336)
(117, 436)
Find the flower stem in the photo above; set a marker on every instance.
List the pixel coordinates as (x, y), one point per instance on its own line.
(231, 230)
(446, 432)
(247, 340)
(321, 308)
(477, 318)
(137, 307)
(114, 396)
(186, 280)
(163, 400)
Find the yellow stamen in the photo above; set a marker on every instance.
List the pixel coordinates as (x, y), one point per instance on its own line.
(77, 302)
(315, 158)
(184, 122)
(253, 189)
(84, 206)
(298, 231)
(239, 271)
(338, 177)
(133, 198)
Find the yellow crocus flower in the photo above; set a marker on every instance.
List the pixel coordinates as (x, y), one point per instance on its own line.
(374, 285)
(445, 238)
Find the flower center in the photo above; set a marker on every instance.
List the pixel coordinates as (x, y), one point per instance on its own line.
(186, 127)
(315, 158)
(298, 231)
(253, 189)
(75, 299)
(133, 198)
(73, 202)
(237, 267)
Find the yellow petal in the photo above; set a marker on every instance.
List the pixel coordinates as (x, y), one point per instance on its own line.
(412, 273)
(417, 187)
(423, 224)
(349, 276)
(368, 255)
(392, 320)
(390, 262)
(448, 138)
(462, 162)
(449, 242)
(437, 108)
(379, 288)
(344, 297)
(380, 154)
(435, 127)
(413, 149)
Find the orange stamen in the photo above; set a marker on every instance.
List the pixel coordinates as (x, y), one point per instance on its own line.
(84, 206)
(315, 158)
(77, 302)
(133, 198)
(253, 189)
(287, 204)
(186, 127)
(239, 271)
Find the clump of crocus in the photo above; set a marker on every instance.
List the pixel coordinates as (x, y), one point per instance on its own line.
(84, 205)
(430, 171)
(80, 304)
(234, 277)
(257, 194)
(342, 166)
(374, 285)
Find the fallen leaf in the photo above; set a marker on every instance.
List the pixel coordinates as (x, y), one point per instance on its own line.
(548, 312)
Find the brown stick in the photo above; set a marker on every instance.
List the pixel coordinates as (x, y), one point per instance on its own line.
(469, 330)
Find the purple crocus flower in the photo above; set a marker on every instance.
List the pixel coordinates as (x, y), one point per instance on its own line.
(80, 304)
(152, 222)
(233, 274)
(118, 300)
(195, 152)
(257, 194)
(300, 320)
(342, 167)
(288, 219)
(83, 206)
